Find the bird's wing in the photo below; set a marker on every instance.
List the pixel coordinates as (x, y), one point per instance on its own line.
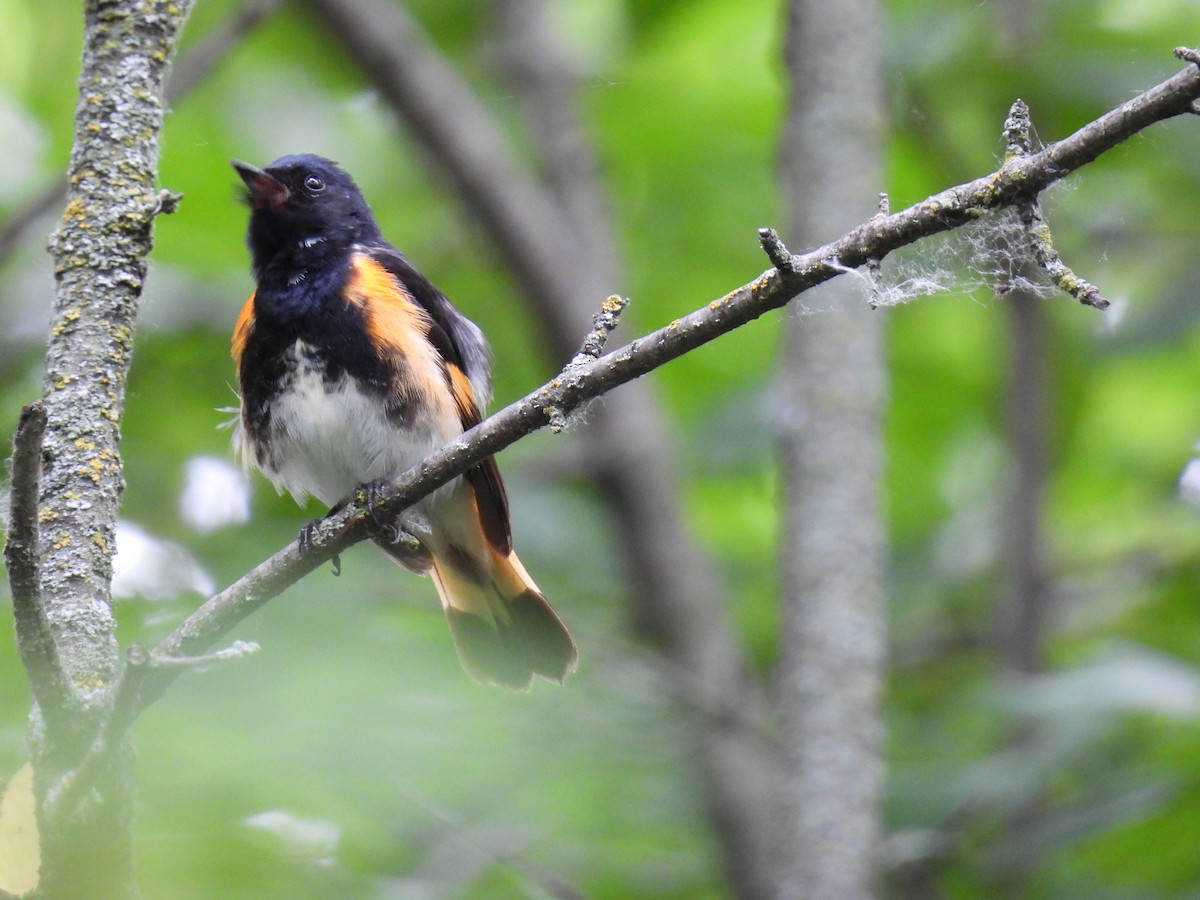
(465, 355)
(456, 337)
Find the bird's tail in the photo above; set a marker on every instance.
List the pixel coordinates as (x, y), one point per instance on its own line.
(503, 628)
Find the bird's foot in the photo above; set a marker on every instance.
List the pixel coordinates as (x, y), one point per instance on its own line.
(370, 496)
(308, 531)
(402, 543)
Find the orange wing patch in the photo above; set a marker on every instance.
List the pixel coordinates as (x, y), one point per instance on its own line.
(464, 397)
(490, 497)
(241, 331)
(397, 325)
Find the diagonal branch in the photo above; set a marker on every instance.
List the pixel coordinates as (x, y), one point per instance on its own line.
(1013, 183)
(417, 82)
(199, 60)
(544, 74)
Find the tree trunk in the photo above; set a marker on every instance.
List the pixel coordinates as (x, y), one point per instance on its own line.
(833, 387)
(99, 250)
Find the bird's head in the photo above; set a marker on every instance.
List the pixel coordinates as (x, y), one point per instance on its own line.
(303, 200)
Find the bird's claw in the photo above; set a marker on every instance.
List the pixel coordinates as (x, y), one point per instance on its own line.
(308, 533)
(370, 496)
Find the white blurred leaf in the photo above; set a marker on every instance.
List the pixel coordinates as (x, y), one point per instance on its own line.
(20, 151)
(1189, 483)
(1124, 678)
(154, 569)
(313, 839)
(970, 484)
(215, 493)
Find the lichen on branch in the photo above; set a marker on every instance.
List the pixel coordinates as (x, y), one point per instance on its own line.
(99, 252)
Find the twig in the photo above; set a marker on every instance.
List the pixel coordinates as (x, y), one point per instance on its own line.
(552, 884)
(603, 324)
(1192, 56)
(874, 266)
(35, 641)
(1188, 55)
(1017, 128)
(1047, 257)
(167, 202)
(1017, 180)
(125, 707)
(236, 650)
(781, 257)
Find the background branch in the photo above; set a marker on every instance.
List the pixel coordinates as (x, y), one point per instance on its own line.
(832, 386)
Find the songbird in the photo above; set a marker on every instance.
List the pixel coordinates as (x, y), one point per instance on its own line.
(352, 368)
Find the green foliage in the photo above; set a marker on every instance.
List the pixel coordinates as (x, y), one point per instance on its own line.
(394, 773)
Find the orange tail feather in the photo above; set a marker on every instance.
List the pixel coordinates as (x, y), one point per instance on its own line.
(504, 630)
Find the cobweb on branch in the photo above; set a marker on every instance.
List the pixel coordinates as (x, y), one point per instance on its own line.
(992, 254)
(982, 258)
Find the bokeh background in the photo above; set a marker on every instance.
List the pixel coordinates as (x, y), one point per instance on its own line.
(350, 757)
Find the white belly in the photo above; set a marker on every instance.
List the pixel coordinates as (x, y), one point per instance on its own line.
(327, 438)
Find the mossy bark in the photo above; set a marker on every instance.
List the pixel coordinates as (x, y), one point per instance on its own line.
(99, 250)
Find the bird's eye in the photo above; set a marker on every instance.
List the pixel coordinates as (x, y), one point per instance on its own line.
(314, 183)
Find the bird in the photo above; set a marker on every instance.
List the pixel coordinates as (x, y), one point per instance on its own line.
(352, 367)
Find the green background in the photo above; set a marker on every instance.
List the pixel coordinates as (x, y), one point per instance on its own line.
(355, 720)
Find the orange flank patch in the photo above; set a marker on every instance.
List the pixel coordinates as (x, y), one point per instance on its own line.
(397, 324)
(241, 331)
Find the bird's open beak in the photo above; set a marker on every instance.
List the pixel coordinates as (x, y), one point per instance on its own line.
(263, 191)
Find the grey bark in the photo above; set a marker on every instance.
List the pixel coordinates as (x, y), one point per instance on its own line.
(99, 251)
(833, 393)
(1024, 541)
